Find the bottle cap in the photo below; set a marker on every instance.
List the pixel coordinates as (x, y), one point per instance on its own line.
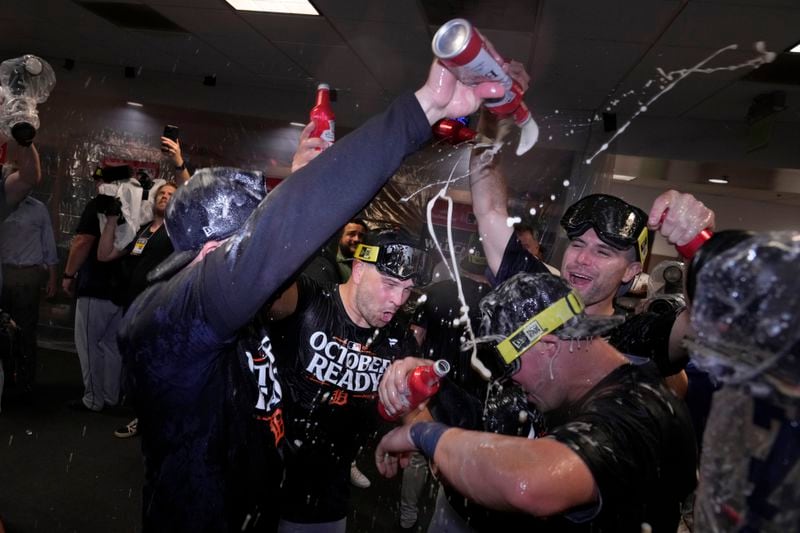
(441, 368)
(324, 86)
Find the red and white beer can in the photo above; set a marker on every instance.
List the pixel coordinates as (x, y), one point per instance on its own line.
(462, 50)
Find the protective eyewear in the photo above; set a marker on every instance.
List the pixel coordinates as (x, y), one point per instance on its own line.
(616, 222)
(400, 261)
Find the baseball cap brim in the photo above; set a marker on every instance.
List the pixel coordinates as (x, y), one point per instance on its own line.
(172, 264)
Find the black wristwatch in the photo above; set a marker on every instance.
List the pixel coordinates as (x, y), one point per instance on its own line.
(182, 167)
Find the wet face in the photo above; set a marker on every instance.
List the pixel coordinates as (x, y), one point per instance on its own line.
(534, 377)
(352, 236)
(596, 270)
(163, 195)
(378, 296)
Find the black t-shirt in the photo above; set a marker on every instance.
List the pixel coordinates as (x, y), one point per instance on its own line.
(144, 253)
(647, 335)
(331, 369)
(636, 438)
(463, 399)
(97, 279)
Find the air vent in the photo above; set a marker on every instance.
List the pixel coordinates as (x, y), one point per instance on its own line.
(132, 16)
(784, 70)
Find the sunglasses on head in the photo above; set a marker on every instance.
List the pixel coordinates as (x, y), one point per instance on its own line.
(616, 222)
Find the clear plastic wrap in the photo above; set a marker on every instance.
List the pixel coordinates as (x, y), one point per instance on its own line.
(26, 82)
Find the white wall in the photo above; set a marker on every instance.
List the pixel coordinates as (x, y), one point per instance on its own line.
(731, 213)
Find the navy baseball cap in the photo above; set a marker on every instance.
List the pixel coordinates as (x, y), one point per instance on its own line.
(211, 206)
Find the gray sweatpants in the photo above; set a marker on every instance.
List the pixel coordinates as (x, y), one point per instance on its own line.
(96, 325)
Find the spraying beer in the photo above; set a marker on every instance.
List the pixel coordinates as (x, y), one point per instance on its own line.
(463, 52)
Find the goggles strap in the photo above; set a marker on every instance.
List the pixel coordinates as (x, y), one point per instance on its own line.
(643, 245)
(540, 325)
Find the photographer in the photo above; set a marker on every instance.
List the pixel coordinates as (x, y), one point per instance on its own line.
(97, 312)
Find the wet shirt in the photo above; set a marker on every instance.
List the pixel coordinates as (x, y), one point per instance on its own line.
(331, 369)
(462, 400)
(750, 469)
(646, 334)
(637, 440)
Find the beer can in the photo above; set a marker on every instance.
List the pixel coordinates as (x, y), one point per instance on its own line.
(463, 52)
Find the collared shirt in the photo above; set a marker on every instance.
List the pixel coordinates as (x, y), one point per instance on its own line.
(26, 236)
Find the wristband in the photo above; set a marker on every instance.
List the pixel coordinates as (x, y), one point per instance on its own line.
(426, 435)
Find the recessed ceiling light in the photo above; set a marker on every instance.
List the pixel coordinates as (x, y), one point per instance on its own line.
(295, 7)
(721, 181)
(297, 124)
(622, 177)
(134, 104)
(796, 49)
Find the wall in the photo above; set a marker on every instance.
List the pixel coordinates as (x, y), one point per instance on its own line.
(731, 213)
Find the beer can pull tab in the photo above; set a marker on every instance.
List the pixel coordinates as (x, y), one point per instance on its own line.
(462, 50)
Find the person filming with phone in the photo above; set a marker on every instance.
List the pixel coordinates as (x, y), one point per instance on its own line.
(171, 147)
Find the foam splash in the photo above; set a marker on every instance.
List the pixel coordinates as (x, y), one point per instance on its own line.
(676, 76)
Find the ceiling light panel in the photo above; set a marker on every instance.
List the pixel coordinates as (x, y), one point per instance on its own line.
(295, 7)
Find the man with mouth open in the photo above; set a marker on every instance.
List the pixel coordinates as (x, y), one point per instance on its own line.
(620, 450)
(335, 342)
(609, 243)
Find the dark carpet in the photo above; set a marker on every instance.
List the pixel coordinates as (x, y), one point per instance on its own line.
(64, 471)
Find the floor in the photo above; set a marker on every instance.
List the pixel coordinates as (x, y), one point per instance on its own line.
(64, 471)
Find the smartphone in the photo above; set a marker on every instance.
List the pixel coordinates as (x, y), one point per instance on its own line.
(170, 132)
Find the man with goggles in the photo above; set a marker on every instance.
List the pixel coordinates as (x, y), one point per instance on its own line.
(336, 342)
(609, 243)
(620, 451)
(396, 259)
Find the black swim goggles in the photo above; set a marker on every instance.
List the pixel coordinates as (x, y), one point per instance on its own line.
(401, 261)
(616, 222)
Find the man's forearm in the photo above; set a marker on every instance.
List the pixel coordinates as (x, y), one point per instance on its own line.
(489, 196)
(28, 176)
(105, 246)
(78, 252)
(541, 477)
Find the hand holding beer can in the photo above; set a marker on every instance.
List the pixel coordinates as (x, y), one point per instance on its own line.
(463, 51)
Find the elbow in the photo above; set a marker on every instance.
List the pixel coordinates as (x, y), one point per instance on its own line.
(534, 499)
